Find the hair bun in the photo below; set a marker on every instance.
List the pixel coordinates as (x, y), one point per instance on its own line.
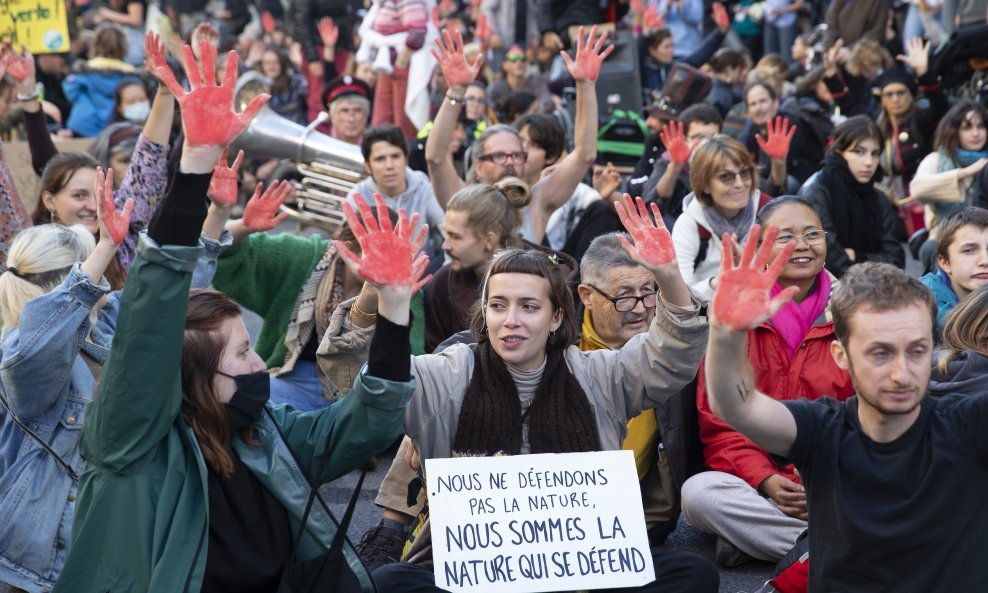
(518, 192)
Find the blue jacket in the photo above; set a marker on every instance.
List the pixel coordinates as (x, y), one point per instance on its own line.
(944, 294)
(48, 383)
(91, 90)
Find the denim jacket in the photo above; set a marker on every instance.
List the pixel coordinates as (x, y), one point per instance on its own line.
(47, 382)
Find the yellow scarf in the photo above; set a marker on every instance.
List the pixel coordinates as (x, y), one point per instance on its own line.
(643, 432)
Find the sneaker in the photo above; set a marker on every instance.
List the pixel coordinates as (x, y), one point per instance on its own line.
(727, 555)
(380, 545)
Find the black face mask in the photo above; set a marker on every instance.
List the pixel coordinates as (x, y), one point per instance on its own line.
(253, 391)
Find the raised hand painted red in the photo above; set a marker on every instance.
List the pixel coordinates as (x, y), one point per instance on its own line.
(653, 243)
(590, 54)
(223, 184)
(743, 297)
(112, 222)
(449, 53)
(387, 254)
(261, 211)
(779, 134)
(675, 142)
(208, 117)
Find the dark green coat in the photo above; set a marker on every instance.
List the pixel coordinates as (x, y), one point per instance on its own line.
(141, 516)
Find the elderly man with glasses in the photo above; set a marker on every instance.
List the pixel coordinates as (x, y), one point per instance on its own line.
(619, 298)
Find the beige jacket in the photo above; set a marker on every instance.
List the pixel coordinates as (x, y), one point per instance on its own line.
(932, 187)
(619, 384)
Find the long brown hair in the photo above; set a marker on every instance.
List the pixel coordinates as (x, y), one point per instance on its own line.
(202, 348)
(55, 177)
(966, 328)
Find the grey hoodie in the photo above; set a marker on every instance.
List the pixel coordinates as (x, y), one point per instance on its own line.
(419, 197)
(966, 375)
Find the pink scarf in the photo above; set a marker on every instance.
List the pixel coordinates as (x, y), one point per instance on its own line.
(794, 320)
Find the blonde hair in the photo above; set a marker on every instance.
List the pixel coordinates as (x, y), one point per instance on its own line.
(493, 208)
(39, 259)
(868, 57)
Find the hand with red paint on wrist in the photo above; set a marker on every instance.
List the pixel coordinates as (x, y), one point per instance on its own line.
(779, 134)
(653, 20)
(653, 249)
(208, 118)
(329, 33)
(19, 67)
(113, 225)
(223, 184)
(389, 258)
(268, 22)
(482, 32)
(653, 244)
(449, 53)
(720, 17)
(743, 299)
(590, 54)
(261, 211)
(675, 142)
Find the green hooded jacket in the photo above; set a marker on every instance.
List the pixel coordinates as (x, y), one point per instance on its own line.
(141, 515)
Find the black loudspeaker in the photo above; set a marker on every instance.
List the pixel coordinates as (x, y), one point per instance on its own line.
(620, 84)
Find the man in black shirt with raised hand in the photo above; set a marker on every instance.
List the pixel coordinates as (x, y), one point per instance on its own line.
(894, 480)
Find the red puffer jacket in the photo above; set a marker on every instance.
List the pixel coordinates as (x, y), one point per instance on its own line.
(811, 374)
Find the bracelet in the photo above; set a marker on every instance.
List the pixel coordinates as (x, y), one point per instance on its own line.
(454, 99)
(362, 314)
(27, 97)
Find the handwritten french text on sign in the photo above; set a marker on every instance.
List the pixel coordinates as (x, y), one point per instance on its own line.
(532, 523)
(41, 24)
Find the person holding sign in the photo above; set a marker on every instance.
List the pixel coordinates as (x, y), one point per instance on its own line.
(894, 480)
(526, 388)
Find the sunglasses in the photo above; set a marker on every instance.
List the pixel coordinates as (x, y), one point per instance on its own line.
(728, 177)
(515, 57)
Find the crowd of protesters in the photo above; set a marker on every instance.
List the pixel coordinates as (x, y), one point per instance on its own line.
(725, 294)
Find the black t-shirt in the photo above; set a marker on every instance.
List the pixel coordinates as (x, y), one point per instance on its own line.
(903, 516)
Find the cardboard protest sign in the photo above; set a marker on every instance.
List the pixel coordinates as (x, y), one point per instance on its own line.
(40, 24)
(530, 523)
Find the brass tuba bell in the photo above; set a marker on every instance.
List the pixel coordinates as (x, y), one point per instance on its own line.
(329, 168)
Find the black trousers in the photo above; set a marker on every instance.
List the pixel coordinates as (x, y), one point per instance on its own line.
(675, 572)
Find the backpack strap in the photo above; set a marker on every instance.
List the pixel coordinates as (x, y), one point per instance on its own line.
(701, 253)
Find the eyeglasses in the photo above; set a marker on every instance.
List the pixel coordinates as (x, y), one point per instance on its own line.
(814, 237)
(515, 57)
(500, 158)
(625, 304)
(474, 100)
(728, 177)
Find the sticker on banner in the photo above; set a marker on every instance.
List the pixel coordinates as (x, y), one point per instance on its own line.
(532, 523)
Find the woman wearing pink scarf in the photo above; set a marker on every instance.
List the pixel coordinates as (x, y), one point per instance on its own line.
(753, 503)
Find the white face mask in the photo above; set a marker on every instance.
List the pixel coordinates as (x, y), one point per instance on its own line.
(137, 112)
